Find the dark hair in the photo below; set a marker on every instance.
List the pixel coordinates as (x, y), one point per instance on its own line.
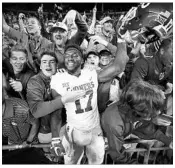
(18, 47)
(143, 98)
(47, 51)
(165, 43)
(76, 47)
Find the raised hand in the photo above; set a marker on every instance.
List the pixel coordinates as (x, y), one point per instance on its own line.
(98, 39)
(21, 16)
(95, 9)
(84, 15)
(70, 17)
(40, 9)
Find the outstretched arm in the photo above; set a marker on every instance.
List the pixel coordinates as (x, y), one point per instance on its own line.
(119, 63)
(117, 66)
(38, 106)
(5, 26)
(41, 19)
(12, 33)
(74, 16)
(92, 26)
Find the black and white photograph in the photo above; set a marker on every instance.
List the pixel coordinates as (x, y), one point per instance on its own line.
(87, 83)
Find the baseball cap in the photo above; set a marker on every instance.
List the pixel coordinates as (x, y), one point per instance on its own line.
(101, 48)
(105, 19)
(105, 52)
(92, 50)
(59, 25)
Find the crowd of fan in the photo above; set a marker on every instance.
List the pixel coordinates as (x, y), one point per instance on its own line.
(34, 50)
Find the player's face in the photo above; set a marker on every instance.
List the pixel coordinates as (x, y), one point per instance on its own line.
(48, 65)
(60, 36)
(17, 60)
(33, 26)
(73, 60)
(93, 59)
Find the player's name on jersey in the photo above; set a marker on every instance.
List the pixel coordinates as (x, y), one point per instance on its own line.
(85, 86)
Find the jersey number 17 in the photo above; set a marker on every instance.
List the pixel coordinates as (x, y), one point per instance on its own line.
(88, 107)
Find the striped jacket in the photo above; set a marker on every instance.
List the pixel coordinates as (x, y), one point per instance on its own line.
(16, 122)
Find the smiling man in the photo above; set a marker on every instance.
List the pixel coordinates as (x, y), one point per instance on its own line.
(105, 57)
(40, 100)
(83, 130)
(33, 41)
(17, 72)
(93, 58)
(107, 28)
(61, 35)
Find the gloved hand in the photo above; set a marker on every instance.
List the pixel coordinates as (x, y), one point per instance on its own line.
(57, 147)
(123, 21)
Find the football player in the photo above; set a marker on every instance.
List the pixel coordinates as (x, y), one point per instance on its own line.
(83, 130)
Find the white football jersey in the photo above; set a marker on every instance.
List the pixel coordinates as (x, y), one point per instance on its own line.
(83, 113)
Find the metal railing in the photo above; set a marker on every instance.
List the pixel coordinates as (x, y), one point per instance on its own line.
(146, 151)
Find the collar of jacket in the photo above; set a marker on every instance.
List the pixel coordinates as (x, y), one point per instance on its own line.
(45, 78)
(61, 50)
(35, 38)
